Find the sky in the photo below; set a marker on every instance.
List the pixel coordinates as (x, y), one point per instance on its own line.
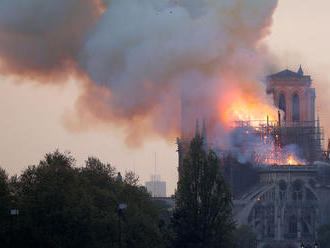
(32, 115)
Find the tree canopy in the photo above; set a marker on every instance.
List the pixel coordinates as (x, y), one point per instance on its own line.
(203, 213)
(61, 205)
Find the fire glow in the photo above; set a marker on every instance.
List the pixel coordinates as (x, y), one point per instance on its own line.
(279, 157)
(245, 107)
(253, 119)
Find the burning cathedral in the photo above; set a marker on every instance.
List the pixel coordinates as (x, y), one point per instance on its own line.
(277, 170)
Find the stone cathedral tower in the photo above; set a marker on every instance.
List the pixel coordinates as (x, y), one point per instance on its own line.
(294, 95)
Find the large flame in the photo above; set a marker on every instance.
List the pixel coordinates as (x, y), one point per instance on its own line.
(291, 160)
(273, 154)
(282, 159)
(244, 106)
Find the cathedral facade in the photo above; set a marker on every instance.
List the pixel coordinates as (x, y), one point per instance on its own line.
(285, 204)
(288, 203)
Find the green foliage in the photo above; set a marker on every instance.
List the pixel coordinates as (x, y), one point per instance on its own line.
(64, 206)
(131, 178)
(244, 237)
(324, 236)
(203, 214)
(4, 192)
(4, 203)
(58, 159)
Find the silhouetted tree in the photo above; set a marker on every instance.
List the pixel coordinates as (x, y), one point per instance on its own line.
(5, 200)
(62, 206)
(203, 213)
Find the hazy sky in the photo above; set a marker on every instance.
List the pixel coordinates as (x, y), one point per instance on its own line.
(31, 115)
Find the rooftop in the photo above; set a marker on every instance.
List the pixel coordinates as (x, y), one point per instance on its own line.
(287, 74)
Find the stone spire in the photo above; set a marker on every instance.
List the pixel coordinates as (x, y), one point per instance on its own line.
(300, 71)
(197, 128)
(204, 134)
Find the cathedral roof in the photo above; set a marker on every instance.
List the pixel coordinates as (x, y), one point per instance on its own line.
(288, 75)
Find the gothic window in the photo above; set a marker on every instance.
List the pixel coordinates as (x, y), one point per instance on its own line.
(269, 230)
(313, 107)
(295, 107)
(309, 195)
(282, 186)
(311, 183)
(282, 104)
(293, 224)
(308, 219)
(305, 228)
(297, 187)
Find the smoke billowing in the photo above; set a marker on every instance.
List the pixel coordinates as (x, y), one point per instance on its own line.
(139, 58)
(43, 36)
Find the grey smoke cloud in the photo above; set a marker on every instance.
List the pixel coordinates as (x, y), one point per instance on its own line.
(40, 36)
(247, 146)
(156, 46)
(141, 56)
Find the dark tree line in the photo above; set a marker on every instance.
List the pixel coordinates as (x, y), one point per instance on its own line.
(62, 205)
(203, 214)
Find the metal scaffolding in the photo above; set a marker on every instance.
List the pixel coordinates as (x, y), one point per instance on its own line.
(307, 135)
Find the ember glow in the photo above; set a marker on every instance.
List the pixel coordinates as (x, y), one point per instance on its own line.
(252, 121)
(281, 158)
(245, 107)
(291, 160)
(258, 145)
(272, 154)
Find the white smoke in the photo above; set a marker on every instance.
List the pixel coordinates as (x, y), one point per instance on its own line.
(247, 145)
(147, 54)
(150, 53)
(42, 36)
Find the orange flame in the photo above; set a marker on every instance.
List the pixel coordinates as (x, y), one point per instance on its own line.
(291, 160)
(239, 106)
(279, 156)
(244, 104)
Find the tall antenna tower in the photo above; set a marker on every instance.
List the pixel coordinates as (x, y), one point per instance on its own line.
(155, 185)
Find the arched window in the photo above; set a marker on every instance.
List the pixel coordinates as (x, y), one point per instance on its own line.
(282, 104)
(293, 224)
(295, 108)
(282, 186)
(297, 187)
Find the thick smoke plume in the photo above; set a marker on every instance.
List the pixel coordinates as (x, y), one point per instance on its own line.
(40, 37)
(140, 59)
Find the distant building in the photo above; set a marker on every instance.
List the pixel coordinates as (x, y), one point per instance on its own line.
(156, 187)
